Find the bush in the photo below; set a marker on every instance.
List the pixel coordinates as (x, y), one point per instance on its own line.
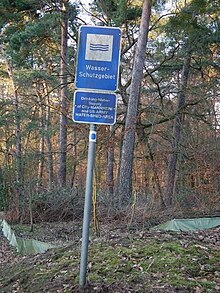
(57, 205)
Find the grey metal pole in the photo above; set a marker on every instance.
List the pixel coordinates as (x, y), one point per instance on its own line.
(87, 206)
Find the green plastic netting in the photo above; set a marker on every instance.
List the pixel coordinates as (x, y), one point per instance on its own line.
(23, 246)
(188, 224)
(31, 246)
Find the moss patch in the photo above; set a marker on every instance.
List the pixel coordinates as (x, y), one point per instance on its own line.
(141, 264)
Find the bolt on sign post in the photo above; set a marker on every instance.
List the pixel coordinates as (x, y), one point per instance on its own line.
(95, 102)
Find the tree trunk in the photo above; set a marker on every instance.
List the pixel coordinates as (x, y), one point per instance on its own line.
(74, 149)
(19, 170)
(177, 131)
(48, 140)
(125, 174)
(110, 165)
(63, 96)
(42, 134)
(161, 202)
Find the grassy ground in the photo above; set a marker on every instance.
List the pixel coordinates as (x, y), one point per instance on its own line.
(120, 260)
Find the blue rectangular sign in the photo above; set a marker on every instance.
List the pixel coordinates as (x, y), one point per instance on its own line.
(98, 58)
(94, 108)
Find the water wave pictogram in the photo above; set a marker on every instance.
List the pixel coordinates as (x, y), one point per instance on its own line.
(98, 47)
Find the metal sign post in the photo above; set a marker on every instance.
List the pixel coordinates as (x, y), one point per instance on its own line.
(95, 102)
(87, 205)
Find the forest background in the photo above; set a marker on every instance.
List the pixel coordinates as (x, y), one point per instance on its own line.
(162, 156)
